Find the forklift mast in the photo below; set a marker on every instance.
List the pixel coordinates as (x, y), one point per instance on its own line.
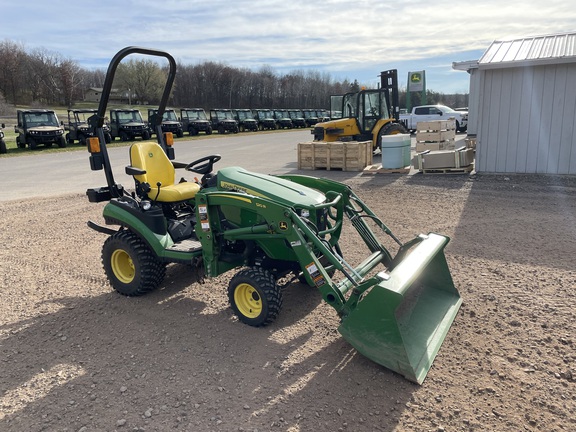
(389, 83)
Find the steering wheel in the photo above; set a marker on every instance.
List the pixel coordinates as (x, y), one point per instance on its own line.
(203, 165)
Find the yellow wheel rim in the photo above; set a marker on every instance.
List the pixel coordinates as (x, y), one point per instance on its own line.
(248, 301)
(122, 266)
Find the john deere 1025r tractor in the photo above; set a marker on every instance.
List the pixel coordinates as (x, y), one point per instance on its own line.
(396, 310)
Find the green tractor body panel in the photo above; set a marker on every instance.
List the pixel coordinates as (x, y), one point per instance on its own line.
(282, 191)
(152, 230)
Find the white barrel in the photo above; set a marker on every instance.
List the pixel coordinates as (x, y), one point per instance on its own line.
(395, 151)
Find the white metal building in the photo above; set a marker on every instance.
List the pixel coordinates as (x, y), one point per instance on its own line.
(522, 105)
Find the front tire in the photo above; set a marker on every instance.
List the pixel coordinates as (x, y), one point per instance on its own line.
(255, 297)
(130, 265)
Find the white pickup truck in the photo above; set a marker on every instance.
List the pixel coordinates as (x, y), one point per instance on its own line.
(434, 112)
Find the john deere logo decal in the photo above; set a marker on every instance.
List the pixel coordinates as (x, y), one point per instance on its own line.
(415, 78)
(283, 225)
(150, 154)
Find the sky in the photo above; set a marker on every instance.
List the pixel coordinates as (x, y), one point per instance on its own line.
(353, 40)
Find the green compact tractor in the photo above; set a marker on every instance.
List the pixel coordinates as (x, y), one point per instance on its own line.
(394, 309)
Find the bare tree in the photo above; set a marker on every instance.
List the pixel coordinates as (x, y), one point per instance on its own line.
(143, 78)
(13, 59)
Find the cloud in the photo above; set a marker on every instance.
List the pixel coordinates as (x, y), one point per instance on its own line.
(336, 36)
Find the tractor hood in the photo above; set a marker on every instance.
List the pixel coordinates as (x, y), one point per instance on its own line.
(267, 186)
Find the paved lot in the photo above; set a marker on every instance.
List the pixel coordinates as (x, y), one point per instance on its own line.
(41, 174)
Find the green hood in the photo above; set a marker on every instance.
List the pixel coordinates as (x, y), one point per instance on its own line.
(267, 186)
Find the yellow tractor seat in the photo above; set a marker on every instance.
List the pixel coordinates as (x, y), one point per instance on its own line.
(150, 158)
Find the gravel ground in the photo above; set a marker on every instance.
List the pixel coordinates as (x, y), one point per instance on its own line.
(76, 356)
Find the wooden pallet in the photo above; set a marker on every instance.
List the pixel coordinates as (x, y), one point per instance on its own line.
(377, 169)
(464, 170)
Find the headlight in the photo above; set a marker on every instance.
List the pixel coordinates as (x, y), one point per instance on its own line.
(305, 213)
(146, 205)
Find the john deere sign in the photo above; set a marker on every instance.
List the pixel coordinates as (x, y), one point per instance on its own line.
(416, 83)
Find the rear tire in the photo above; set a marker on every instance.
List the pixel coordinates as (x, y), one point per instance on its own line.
(255, 297)
(131, 267)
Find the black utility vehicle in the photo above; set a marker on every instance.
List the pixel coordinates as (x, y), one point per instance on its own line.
(310, 117)
(265, 118)
(246, 120)
(170, 122)
(283, 120)
(127, 124)
(297, 118)
(195, 120)
(223, 121)
(79, 128)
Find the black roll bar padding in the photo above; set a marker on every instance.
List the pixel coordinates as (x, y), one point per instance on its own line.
(116, 190)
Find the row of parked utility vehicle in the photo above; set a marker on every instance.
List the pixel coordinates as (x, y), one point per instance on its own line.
(41, 127)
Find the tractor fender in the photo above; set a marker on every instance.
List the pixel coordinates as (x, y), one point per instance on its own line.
(150, 226)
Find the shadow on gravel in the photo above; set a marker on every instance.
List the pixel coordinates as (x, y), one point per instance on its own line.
(521, 219)
(160, 362)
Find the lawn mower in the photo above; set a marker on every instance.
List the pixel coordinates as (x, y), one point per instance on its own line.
(394, 309)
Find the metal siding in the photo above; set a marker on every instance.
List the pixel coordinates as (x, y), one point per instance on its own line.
(535, 118)
(545, 144)
(567, 163)
(501, 96)
(474, 102)
(512, 90)
(557, 124)
(483, 144)
(525, 98)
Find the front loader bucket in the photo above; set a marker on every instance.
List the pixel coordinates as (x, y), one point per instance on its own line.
(402, 321)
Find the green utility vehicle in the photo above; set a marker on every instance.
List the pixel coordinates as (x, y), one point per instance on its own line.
(395, 309)
(223, 121)
(297, 118)
(265, 118)
(170, 122)
(39, 126)
(246, 120)
(283, 120)
(127, 124)
(310, 117)
(79, 128)
(194, 120)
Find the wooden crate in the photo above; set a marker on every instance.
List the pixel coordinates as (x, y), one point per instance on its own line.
(435, 135)
(435, 146)
(436, 125)
(345, 156)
